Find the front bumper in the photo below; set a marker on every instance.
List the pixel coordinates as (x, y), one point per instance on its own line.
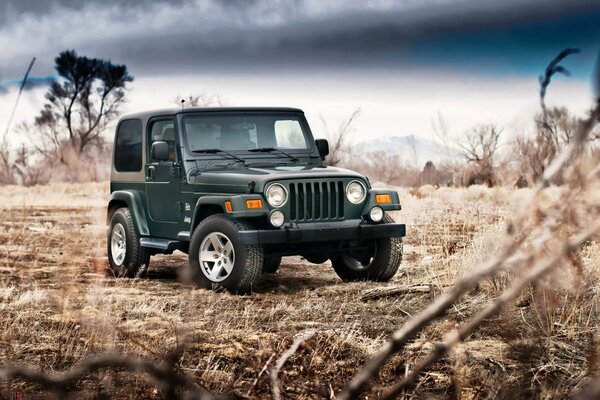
(322, 232)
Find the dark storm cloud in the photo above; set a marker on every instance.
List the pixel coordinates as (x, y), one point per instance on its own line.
(455, 34)
(14, 9)
(160, 37)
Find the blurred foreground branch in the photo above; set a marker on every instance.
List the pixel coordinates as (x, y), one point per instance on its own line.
(163, 372)
(539, 271)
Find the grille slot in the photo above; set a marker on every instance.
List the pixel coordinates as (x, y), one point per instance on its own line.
(316, 201)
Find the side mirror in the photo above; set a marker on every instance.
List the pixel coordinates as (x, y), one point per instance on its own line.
(159, 151)
(323, 147)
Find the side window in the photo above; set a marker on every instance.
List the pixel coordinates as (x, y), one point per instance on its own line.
(164, 130)
(128, 146)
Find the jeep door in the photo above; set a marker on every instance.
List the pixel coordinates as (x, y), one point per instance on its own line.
(163, 181)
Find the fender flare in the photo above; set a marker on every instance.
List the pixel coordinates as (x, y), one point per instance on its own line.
(238, 203)
(134, 202)
(218, 201)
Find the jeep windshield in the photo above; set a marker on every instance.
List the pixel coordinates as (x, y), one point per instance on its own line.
(273, 135)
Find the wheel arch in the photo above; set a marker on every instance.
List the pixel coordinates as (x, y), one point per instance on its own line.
(133, 201)
(207, 206)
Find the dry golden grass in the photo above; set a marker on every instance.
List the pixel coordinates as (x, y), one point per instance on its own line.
(58, 306)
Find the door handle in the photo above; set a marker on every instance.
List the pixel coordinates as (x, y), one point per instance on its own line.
(151, 173)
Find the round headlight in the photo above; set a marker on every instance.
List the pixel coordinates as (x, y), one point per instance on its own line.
(276, 195)
(376, 214)
(276, 218)
(356, 192)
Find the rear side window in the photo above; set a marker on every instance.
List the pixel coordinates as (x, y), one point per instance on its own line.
(128, 146)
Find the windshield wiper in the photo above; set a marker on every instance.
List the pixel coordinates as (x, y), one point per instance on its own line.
(272, 149)
(217, 151)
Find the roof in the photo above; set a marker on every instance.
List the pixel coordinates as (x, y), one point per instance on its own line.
(173, 111)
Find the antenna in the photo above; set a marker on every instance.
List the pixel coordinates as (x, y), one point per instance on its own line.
(12, 114)
(182, 103)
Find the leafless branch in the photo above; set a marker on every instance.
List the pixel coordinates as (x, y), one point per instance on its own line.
(386, 291)
(338, 139)
(163, 372)
(536, 273)
(298, 340)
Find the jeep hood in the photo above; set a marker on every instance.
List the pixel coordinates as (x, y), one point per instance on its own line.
(231, 179)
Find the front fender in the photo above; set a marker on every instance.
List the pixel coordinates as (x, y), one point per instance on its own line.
(238, 206)
(394, 204)
(134, 202)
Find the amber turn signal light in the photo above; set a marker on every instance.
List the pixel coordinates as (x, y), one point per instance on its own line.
(228, 206)
(253, 203)
(383, 198)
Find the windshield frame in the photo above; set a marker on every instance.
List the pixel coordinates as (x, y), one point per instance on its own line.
(308, 152)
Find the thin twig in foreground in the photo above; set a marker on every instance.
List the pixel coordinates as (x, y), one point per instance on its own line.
(162, 372)
(298, 340)
(537, 272)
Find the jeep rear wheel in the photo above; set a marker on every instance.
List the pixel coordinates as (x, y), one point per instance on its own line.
(379, 260)
(218, 260)
(126, 258)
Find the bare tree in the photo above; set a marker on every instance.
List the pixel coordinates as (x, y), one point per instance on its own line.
(85, 99)
(559, 124)
(338, 138)
(430, 175)
(6, 175)
(479, 148)
(554, 131)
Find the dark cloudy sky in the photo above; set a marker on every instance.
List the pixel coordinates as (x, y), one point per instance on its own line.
(402, 61)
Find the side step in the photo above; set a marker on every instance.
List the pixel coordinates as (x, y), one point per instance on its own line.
(166, 246)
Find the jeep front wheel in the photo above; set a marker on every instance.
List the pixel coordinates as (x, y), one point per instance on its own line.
(218, 259)
(126, 258)
(378, 260)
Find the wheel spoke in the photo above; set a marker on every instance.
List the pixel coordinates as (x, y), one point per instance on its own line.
(214, 239)
(228, 266)
(210, 256)
(215, 271)
(228, 248)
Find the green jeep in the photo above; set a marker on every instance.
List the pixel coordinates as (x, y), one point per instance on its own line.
(236, 189)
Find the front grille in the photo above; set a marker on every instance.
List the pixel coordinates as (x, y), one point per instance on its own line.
(312, 201)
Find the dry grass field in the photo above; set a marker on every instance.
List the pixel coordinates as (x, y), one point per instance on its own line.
(57, 306)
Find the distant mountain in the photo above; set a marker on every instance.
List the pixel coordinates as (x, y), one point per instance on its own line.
(414, 149)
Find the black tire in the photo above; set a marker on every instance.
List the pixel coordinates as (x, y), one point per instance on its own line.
(136, 259)
(247, 259)
(271, 264)
(380, 264)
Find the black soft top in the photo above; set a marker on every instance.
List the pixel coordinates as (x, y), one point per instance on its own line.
(144, 115)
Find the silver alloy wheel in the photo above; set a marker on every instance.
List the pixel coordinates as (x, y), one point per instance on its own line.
(217, 256)
(118, 244)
